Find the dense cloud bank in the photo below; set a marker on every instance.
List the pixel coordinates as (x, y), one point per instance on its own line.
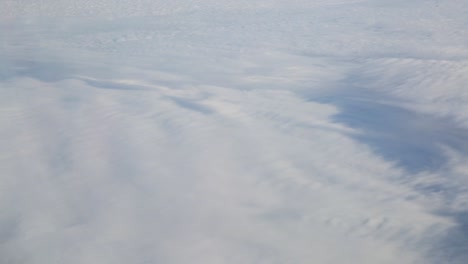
(233, 132)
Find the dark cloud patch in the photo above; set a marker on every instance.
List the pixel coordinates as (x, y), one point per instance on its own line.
(192, 105)
(453, 247)
(410, 139)
(46, 71)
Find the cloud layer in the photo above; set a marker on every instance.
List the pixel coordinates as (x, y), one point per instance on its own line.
(325, 132)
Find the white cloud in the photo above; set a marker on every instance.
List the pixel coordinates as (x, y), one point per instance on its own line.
(323, 134)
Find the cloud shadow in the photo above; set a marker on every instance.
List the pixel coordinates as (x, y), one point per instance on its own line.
(453, 247)
(47, 71)
(192, 105)
(414, 141)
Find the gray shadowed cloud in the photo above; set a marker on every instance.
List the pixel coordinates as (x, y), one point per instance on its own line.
(47, 71)
(191, 105)
(453, 248)
(415, 142)
(410, 139)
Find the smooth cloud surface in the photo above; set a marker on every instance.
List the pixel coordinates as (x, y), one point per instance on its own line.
(233, 132)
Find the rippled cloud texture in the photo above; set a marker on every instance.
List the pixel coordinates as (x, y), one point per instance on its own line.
(262, 131)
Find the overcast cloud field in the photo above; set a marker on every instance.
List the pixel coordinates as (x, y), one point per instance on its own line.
(234, 132)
